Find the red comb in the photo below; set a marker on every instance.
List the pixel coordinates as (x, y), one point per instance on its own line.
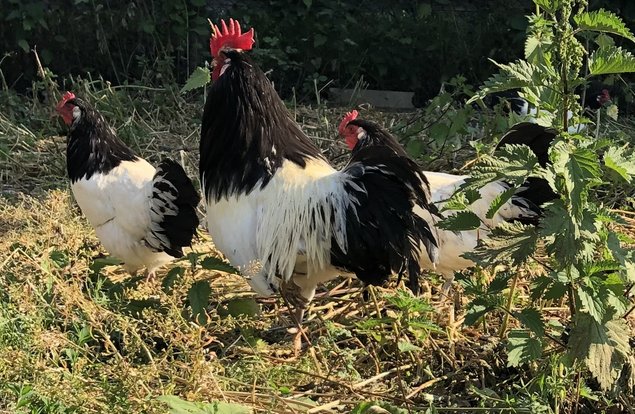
(231, 37)
(66, 97)
(347, 118)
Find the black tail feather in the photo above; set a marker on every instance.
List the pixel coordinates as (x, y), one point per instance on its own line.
(384, 235)
(536, 137)
(173, 207)
(539, 139)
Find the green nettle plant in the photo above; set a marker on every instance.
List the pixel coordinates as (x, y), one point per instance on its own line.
(584, 258)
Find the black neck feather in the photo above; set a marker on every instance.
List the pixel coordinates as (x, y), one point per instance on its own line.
(376, 135)
(93, 147)
(247, 132)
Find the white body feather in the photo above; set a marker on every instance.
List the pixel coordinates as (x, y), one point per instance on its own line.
(247, 228)
(117, 205)
(453, 244)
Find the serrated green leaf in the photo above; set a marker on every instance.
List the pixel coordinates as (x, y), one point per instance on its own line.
(539, 43)
(198, 296)
(625, 258)
(603, 40)
(471, 286)
(405, 302)
(553, 286)
(512, 164)
(460, 221)
(179, 406)
(571, 240)
(458, 201)
(538, 286)
(172, 276)
(603, 347)
(617, 161)
(533, 47)
(611, 59)
(514, 75)
(192, 257)
(531, 318)
(476, 310)
(522, 348)
(599, 270)
(24, 45)
(556, 291)
(198, 79)
(513, 242)
(547, 288)
(59, 258)
(580, 169)
(471, 195)
(373, 323)
(241, 307)
(549, 6)
(499, 201)
(499, 283)
(216, 263)
(461, 199)
(407, 346)
(617, 301)
(583, 166)
(603, 21)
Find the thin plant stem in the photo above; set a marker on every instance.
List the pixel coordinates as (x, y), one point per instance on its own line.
(508, 306)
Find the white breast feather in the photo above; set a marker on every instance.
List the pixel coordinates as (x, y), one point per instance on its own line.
(282, 221)
(117, 205)
(291, 222)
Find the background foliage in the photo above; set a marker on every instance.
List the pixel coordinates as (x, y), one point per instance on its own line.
(401, 45)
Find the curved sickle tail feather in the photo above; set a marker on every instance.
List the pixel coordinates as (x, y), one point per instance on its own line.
(536, 191)
(172, 209)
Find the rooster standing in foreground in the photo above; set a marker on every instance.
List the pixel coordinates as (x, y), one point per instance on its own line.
(278, 210)
(141, 215)
(524, 206)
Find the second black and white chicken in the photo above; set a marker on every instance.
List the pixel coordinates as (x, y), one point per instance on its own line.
(524, 206)
(142, 215)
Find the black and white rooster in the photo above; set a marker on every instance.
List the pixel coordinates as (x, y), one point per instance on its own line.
(361, 134)
(278, 210)
(142, 215)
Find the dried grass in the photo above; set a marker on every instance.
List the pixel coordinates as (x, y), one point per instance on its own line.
(76, 341)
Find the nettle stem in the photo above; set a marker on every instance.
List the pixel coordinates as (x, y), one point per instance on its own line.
(508, 306)
(571, 293)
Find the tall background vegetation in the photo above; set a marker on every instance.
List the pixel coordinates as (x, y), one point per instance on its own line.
(390, 44)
